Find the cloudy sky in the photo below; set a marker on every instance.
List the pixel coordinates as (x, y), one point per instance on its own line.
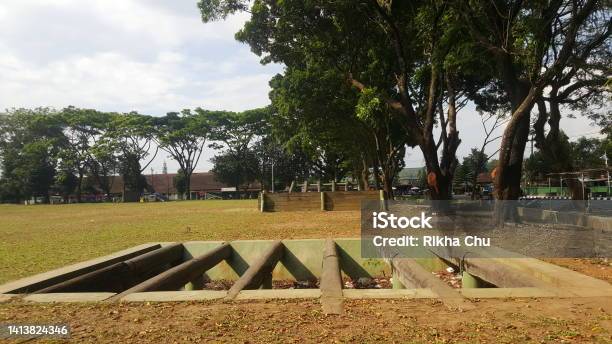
(150, 56)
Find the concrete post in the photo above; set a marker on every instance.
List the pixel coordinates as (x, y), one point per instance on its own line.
(262, 202)
(332, 298)
(323, 201)
(383, 201)
(266, 282)
(469, 281)
(197, 284)
(397, 284)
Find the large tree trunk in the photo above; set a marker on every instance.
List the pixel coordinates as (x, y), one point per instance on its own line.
(376, 173)
(388, 184)
(551, 144)
(365, 176)
(440, 188)
(508, 186)
(522, 98)
(188, 185)
(477, 172)
(508, 172)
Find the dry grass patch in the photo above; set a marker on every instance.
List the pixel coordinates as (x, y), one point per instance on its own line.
(35, 239)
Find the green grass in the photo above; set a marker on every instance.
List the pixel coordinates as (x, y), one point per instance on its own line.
(38, 238)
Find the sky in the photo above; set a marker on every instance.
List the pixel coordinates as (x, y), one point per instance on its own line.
(150, 56)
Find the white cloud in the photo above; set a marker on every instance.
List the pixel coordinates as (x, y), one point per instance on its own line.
(101, 80)
(124, 55)
(152, 56)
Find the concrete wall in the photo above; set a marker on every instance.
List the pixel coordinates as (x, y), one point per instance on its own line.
(302, 259)
(567, 217)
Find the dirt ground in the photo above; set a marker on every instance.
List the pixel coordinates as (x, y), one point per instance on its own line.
(587, 320)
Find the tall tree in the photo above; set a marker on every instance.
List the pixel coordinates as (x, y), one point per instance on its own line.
(236, 133)
(533, 45)
(335, 142)
(30, 141)
(180, 183)
(183, 135)
(236, 169)
(83, 129)
(404, 52)
(133, 135)
(104, 163)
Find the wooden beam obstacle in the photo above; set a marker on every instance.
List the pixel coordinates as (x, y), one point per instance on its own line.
(325, 200)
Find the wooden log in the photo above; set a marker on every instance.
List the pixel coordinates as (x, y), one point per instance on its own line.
(412, 275)
(254, 276)
(180, 275)
(332, 298)
(121, 275)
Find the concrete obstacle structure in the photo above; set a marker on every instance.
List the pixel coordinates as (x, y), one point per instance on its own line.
(152, 272)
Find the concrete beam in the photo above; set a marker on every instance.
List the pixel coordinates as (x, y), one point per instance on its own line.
(68, 297)
(45, 279)
(7, 297)
(486, 269)
(256, 273)
(182, 295)
(178, 276)
(553, 275)
(331, 280)
(389, 294)
(270, 294)
(502, 293)
(413, 276)
(123, 275)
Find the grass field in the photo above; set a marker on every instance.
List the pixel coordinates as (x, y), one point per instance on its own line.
(38, 238)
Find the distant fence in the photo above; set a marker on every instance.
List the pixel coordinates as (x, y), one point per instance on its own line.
(326, 200)
(564, 191)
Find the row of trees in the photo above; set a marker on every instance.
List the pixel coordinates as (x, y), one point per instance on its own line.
(77, 151)
(365, 78)
(43, 150)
